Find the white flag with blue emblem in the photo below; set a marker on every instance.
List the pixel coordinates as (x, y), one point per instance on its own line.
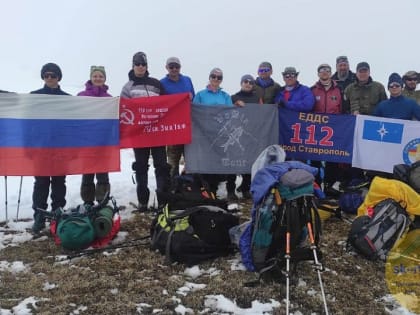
(380, 143)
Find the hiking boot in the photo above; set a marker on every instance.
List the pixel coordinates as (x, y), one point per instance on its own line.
(232, 197)
(39, 222)
(142, 208)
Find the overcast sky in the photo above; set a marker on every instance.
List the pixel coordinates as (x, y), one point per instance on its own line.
(235, 35)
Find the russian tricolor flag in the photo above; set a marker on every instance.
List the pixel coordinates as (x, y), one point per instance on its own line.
(52, 135)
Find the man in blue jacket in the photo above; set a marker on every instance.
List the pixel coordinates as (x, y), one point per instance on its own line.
(174, 83)
(295, 96)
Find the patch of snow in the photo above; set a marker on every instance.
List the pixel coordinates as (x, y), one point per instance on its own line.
(190, 287)
(220, 303)
(48, 286)
(181, 309)
(13, 267)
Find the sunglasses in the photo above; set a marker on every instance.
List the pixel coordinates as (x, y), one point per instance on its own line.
(248, 82)
(289, 75)
(50, 75)
(138, 64)
(174, 66)
(410, 79)
(264, 70)
(394, 86)
(216, 77)
(324, 70)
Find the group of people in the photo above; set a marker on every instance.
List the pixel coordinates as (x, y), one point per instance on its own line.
(344, 92)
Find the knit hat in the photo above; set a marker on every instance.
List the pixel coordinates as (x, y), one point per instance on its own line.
(51, 67)
(362, 65)
(247, 77)
(395, 78)
(97, 68)
(173, 60)
(139, 57)
(265, 64)
(290, 70)
(324, 66)
(411, 74)
(341, 59)
(216, 71)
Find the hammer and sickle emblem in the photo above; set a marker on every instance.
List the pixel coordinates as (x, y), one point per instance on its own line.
(127, 117)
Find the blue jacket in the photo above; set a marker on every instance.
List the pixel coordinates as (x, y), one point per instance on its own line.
(183, 85)
(301, 99)
(399, 107)
(263, 181)
(208, 97)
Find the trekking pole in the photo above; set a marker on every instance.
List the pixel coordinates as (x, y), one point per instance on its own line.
(18, 202)
(318, 265)
(287, 256)
(5, 200)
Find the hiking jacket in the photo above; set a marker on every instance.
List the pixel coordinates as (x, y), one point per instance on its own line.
(141, 86)
(261, 184)
(183, 85)
(327, 101)
(92, 90)
(48, 90)
(415, 95)
(246, 97)
(364, 97)
(267, 90)
(210, 97)
(399, 107)
(382, 188)
(301, 98)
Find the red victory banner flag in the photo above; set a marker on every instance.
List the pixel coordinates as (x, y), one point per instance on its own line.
(155, 121)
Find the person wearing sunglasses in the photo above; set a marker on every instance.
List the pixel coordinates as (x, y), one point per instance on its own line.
(174, 83)
(213, 95)
(327, 100)
(96, 87)
(364, 94)
(295, 96)
(411, 79)
(247, 95)
(140, 84)
(343, 76)
(397, 106)
(265, 86)
(51, 75)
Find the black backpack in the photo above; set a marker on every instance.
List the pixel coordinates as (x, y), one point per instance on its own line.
(190, 190)
(409, 174)
(373, 237)
(193, 235)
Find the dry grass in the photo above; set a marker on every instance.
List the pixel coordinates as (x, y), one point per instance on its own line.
(116, 283)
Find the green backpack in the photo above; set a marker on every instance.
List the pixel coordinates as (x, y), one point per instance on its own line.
(75, 230)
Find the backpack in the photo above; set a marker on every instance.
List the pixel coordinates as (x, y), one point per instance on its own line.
(409, 174)
(268, 244)
(193, 235)
(373, 236)
(190, 190)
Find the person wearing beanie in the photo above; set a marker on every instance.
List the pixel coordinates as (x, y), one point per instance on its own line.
(174, 83)
(411, 79)
(398, 106)
(96, 87)
(327, 100)
(51, 74)
(213, 95)
(265, 86)
(364, 94)
(294, 96)
(247, 95)
(140, 84)
(343, 76)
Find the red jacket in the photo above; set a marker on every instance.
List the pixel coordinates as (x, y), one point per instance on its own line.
(328, 102)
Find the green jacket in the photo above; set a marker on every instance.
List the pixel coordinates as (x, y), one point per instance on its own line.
(415, 95)
(267, 94)
(364, 98)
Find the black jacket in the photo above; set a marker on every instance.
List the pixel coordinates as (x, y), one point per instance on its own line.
(246, 97)
(48, 90)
